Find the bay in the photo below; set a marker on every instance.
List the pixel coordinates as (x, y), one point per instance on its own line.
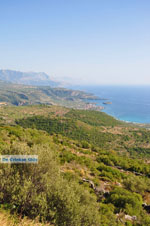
(129, 103)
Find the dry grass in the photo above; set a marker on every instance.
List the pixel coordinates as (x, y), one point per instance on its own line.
(7, 220)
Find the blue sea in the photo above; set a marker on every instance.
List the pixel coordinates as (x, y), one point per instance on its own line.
(129, 103)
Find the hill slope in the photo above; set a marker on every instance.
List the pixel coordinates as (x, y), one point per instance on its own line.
(93, 170)
(16, 94)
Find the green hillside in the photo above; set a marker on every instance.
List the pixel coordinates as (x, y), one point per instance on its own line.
(92, 169)
(16, 94)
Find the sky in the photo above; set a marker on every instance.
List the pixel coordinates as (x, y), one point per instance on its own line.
(81, 41)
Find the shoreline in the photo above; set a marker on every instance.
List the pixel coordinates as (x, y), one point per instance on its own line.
(136, 116)
(139, 124)
(98, 107)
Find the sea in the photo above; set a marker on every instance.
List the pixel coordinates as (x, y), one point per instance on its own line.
(128, 103)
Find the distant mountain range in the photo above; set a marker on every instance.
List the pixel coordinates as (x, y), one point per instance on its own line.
(28, 78)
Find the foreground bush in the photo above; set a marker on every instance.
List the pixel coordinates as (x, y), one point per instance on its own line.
(39, 189)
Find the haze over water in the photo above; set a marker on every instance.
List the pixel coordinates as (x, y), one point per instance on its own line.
(129, 103)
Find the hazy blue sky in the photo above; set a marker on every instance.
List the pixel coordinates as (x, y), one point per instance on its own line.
(97, 41)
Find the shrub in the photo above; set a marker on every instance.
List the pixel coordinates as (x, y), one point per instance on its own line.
(122, 199)
(39, 189)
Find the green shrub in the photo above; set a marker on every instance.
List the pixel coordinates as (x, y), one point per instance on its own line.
(39, 189)
(130, 203)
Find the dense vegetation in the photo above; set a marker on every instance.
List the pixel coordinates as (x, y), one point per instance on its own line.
(67, 127)
(92, 169)
(39, 189)
(93, 127)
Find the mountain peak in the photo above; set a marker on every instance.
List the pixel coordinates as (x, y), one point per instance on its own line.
(28, 78)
